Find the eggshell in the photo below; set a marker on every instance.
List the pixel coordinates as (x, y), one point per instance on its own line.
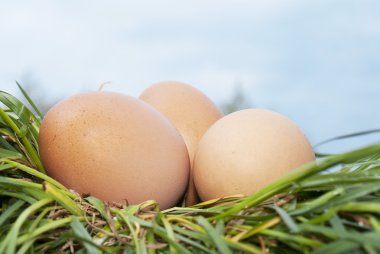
(245, 151)
(114, 147)
(191, 111)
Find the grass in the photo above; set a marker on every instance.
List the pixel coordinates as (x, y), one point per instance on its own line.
(311, 210)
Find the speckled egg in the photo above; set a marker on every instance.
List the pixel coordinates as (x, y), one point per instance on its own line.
(116, 148)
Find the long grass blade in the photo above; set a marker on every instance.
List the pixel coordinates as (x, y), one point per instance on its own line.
(30, 101)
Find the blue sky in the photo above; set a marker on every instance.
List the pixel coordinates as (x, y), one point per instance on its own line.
(317, 62)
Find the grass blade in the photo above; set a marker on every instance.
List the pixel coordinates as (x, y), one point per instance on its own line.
(10, 242)
(82, 233)
(215, 237)
(11, 210)
(286, 218)
(30, 101)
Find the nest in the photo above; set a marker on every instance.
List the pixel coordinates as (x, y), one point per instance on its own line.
(311, 210)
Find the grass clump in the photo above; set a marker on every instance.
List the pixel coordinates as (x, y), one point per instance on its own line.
(311, 210)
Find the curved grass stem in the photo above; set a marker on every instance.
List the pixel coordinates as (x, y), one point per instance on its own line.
(38, 174)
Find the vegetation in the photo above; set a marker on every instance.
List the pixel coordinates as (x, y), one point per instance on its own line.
(312, 210)
(239, 100)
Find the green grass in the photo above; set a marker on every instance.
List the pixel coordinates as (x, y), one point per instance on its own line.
(311, 210)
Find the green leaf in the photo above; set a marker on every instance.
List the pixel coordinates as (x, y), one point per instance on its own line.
(337, 247)
(370, 207)
(31, 102)
(5, 144)
(215, 237)
(9, 154)
(61, 197)
(337, 225)
(346, 136)
(169, 231)
(11, 211)
(286, 218)
(81, 232)
(98, 205)
(10, 242)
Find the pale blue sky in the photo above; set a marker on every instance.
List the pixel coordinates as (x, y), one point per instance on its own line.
(317, 62)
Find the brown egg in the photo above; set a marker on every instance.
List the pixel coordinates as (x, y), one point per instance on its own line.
(116, 148)
(189, 110)
(247, 150)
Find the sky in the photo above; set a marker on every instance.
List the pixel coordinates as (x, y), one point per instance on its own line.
(317, 62)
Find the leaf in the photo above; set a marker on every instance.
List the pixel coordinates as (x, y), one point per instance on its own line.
(9, 154)
(27, 97)
(98, 205)
(337, 225)
(351, 135)
(169, 231)
(81, 232)
(214, 236)
(61, 197)
(5, 144)
(10, 242)
(11, 211)
(286, 218)
(337, 247)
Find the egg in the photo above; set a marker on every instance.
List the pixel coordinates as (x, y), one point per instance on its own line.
(191, 112)
(114, 147)
(246, 150)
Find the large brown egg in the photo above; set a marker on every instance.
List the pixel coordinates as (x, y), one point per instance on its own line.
(247, 150)
(114, 147)
(191, 111)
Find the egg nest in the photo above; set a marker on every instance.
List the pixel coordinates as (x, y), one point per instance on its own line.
(331, 205)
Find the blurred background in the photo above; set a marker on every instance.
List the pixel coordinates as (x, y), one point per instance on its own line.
(317, 62)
